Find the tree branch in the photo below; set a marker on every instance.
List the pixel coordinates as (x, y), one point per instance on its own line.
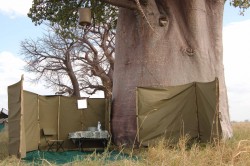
(129, 4)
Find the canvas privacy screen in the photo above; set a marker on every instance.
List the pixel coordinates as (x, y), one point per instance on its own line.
(30, 114)
(176, 111)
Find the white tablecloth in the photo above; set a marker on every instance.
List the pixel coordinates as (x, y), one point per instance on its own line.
(89, 134)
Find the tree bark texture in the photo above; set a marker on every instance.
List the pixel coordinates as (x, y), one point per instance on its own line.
(187, 48)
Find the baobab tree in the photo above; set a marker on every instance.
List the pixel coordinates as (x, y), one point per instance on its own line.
(158, 43)
(73, 61)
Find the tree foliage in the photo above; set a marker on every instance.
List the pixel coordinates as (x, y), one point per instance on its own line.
(65, 12)
(242, 4)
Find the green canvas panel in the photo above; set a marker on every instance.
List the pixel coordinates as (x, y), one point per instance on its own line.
(166, 113)
(69, 120)
(48, 115)
(95, 111)
(32, 133)
(15, 121)
(206, 101)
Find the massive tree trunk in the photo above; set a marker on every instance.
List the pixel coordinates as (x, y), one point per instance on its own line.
(188, 48)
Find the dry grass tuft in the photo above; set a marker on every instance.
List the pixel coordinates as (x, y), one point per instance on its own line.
(235, 151)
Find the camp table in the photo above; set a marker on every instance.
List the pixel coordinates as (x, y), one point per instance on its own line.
(79, 137)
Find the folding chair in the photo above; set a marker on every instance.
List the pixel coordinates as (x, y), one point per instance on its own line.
(52, 143)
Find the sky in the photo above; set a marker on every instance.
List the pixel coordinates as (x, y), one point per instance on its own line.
(16, 27)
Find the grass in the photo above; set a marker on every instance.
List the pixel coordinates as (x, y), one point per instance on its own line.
(235, 151)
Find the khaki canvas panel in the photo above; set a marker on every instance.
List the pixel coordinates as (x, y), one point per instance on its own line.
(44, 112)
(169, 113)
(206, 101)
(48, 116)
(69, 119)
(95, 111)
(107, 116)
(32, 134)
(15, 121)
